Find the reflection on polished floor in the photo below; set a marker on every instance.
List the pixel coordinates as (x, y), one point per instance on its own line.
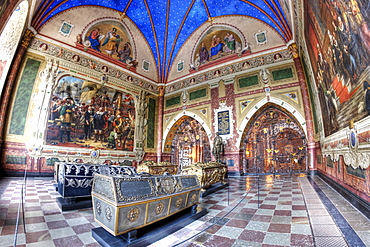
(280, 210)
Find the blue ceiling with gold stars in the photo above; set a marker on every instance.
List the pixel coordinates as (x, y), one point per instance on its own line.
(168, 24)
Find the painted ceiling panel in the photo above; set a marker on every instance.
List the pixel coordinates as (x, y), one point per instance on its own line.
(167, 24)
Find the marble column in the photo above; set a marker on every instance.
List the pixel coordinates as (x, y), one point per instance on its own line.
(11, 79)
(311, 147)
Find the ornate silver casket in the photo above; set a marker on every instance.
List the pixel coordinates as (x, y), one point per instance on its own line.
(125, 203)
(75, 180)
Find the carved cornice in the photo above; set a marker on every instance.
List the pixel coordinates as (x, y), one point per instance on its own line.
(357, 153)
(232, 69)
(76, 61)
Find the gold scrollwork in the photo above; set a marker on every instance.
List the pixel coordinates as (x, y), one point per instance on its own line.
(133, 214)
(193, 198)
(159, 208)
(179, 202)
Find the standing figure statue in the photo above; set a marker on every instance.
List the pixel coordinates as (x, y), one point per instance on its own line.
(218, 147)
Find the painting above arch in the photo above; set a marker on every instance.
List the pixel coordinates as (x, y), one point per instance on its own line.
(84, 114)
(218, 43)
(110, 38)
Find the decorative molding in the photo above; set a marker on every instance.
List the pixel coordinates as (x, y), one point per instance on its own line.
(75, 60)
(229, 69)
(357, 153)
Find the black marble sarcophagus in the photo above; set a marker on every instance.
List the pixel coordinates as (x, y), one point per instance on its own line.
(75, 180)
(122, 204)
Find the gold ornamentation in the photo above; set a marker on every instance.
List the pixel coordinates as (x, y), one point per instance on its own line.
(179, 202)
(293, 49)
(208, 173)
(28, 36)
(133, 214)
(159, 208)
(157, 168)
(167, 185)
(193, 198)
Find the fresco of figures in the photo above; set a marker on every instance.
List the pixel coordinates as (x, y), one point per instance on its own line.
(215, 45)
(339, 46)
(109, 39)
(88, 115)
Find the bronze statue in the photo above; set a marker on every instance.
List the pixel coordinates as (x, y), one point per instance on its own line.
(218, 147)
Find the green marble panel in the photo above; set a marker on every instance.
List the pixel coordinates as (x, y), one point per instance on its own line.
(198, 94)
(173, 101)
(15, 159)
(23, 96)
(310, 93)
(359, 172)
(329, 162)
(248, 81)
(151, 123)
(282, 74)
(51, 161)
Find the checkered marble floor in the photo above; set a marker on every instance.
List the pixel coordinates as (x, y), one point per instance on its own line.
(252, 211)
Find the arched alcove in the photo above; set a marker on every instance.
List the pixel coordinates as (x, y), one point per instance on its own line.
(273, 142)
(189, 143)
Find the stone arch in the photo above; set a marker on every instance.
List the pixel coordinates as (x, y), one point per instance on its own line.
(281, 103)
(188, 140)
(273, 141)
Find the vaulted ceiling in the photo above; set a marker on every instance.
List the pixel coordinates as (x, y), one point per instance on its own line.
(168, 24)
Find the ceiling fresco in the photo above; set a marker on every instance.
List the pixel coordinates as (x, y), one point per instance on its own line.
(167, 25)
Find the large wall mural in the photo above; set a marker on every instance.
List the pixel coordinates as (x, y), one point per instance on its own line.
(84, 114)
(339, 45)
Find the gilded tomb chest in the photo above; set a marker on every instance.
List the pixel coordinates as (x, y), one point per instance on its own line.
(208, 173)
(157, 168)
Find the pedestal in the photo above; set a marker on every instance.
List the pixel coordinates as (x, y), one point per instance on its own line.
(149, 234)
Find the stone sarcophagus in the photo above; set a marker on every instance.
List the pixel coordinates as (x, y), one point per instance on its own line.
(123, 204)
(157, 168)
(75, 180)
(208, 173)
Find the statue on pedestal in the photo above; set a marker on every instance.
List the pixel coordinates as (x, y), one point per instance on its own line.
(218, 147)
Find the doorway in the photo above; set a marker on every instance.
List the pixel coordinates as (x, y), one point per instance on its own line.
(190, 143)
(274, 143)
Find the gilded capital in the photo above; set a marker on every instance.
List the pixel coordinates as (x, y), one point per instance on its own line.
(28, 36)
(161, 90)
(293, 49)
